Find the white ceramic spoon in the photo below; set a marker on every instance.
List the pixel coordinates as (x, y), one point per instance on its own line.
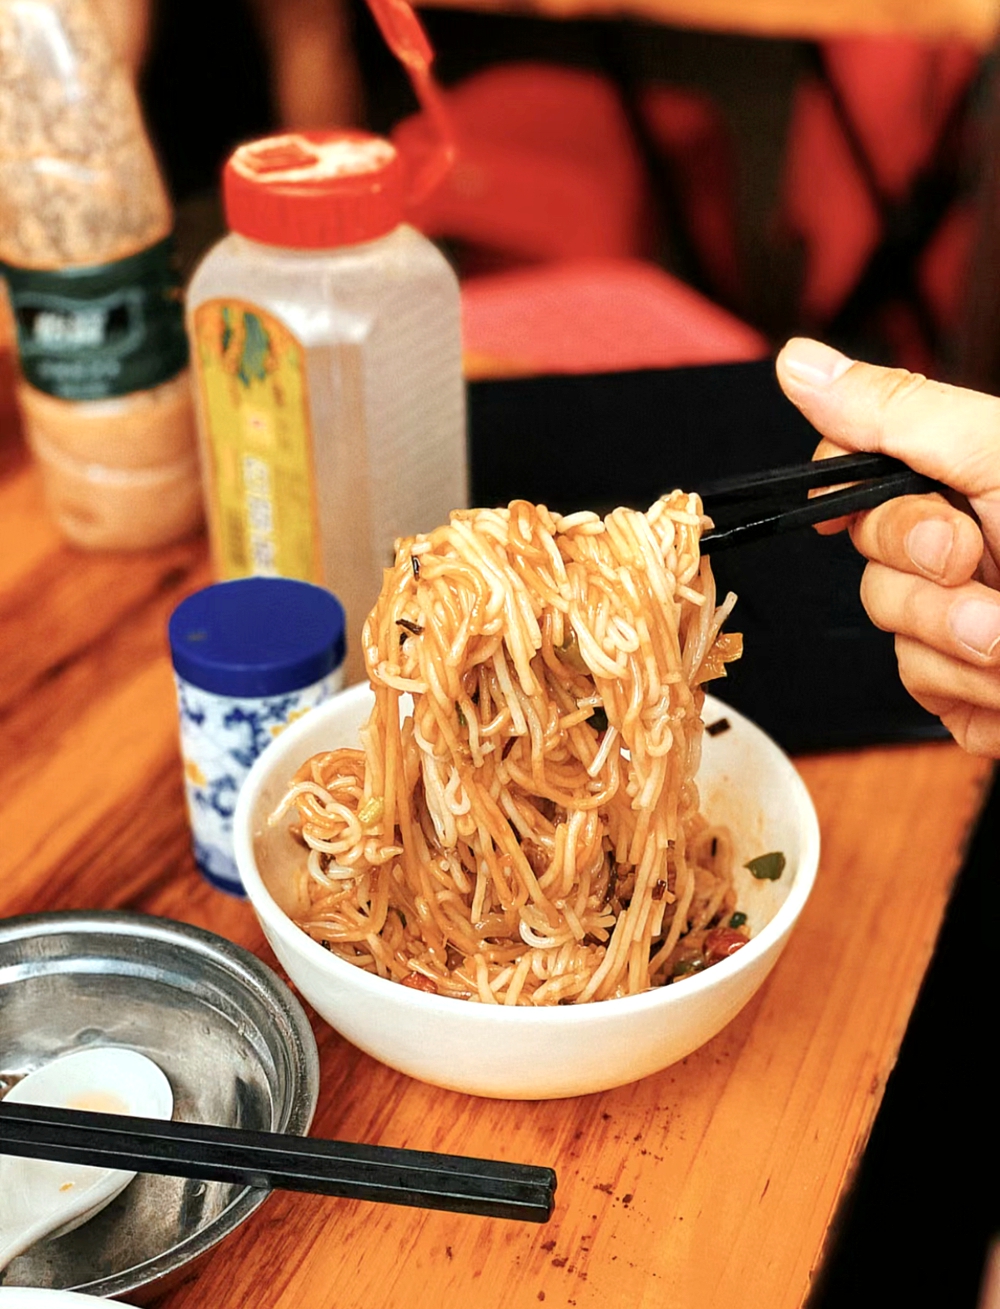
(38, 1297)
(39, 1197)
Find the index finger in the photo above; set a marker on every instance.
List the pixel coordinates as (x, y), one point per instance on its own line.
(945, 432)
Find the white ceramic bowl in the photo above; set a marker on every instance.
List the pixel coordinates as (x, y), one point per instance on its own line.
(531, 1053)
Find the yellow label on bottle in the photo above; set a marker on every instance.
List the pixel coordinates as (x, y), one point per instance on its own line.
(252, 373)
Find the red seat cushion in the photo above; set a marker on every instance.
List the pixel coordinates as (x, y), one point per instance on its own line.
(595, 315)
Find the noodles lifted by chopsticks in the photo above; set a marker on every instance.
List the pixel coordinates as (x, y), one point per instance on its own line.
(529, 833)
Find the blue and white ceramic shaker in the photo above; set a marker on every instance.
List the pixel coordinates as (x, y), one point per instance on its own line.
(249, 657)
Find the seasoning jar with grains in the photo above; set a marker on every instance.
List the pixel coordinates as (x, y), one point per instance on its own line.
(326, 343)
(85, 250)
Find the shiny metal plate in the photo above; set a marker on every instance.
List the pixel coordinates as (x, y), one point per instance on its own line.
(229, 1035)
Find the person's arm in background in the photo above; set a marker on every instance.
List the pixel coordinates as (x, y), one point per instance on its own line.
(314, 68)
(933, 577)
(127, 22)
(313, 64)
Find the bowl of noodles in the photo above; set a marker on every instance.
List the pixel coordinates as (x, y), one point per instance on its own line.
(532, 858)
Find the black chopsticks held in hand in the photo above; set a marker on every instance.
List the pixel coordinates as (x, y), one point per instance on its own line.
(750, 508)
(274, 1161)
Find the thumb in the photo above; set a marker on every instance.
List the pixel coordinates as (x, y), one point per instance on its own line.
(943, 431)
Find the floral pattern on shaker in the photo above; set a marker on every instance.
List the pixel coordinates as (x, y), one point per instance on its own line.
(257, 726)
(221, 736)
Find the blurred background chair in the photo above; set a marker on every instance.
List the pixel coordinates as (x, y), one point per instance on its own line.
(800, 166)
(879, 190)
(863, 230)
(549, 216)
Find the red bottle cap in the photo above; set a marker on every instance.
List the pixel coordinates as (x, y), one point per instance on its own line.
(314, 190)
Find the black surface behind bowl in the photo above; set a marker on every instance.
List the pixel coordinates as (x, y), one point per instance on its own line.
(816, 675)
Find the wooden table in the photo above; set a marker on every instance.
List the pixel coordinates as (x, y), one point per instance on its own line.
(971, 20)
(711, 1184)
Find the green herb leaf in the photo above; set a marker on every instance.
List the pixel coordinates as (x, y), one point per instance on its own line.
(767, 867)
(738, 920)
(685, 967)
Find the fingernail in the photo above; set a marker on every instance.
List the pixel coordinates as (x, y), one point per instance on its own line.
(813, 362)
(976, 625)
(929, 544)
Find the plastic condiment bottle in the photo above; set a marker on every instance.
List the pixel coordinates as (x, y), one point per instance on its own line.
(85, 225)
(249, 657)
(326, 341)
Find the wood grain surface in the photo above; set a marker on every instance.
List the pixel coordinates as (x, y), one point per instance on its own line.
(711, 1184)
(975, 21)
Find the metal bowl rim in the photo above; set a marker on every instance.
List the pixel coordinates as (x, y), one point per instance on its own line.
(246, 967)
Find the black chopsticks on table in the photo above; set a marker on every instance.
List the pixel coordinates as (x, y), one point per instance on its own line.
(275, 1161)
(764, 504)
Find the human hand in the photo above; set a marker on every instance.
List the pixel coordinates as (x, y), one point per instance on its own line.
(933, 577)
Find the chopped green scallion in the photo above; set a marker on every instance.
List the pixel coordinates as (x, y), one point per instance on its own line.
(371, 811)
(685, 967)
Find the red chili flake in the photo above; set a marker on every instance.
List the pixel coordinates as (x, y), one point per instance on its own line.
(721, 942)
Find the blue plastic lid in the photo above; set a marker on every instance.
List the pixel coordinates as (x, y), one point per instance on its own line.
(257, 636)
